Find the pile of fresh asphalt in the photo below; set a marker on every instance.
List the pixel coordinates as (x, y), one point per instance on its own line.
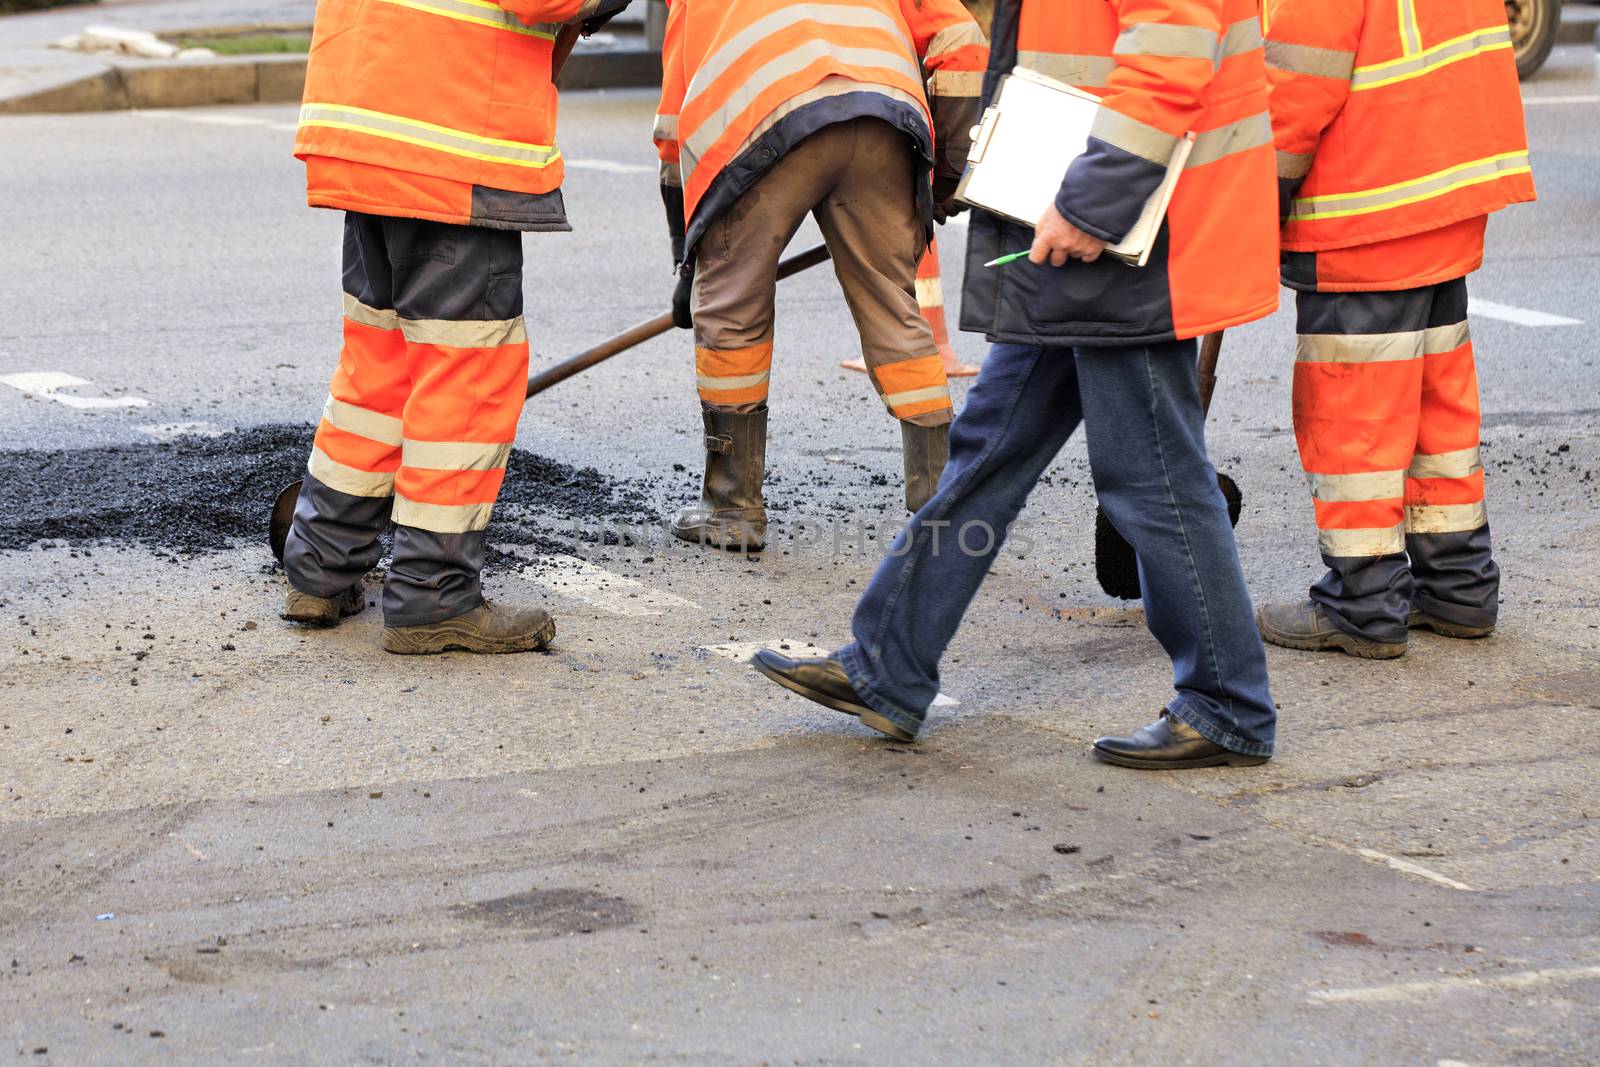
(194, 495)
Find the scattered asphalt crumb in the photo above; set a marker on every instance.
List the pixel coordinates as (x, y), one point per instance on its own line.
(1067, 850)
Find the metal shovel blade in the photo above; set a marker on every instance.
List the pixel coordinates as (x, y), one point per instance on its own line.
(282, 516)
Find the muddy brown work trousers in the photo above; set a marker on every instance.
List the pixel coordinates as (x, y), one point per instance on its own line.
(857, 178)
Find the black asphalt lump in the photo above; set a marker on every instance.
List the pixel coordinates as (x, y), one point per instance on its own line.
(196, 494)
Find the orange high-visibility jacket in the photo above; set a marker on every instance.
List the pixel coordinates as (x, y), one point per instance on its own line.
(744, 82)
(1394, 118)
(1163, 69)
(437, 109)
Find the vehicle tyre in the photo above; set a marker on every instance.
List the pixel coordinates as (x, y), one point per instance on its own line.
(1533, 31)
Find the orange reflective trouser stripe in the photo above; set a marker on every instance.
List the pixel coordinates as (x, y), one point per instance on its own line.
(728, 378)
(1387, 418)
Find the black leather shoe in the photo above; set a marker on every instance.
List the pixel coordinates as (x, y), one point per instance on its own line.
(1166, 745)
(824, 681)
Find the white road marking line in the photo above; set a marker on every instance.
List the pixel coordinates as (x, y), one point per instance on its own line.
(47, 384)
(610, 167)
(1521, 316)
(741, 651)
(1407, 867)
(165, 431)
(1436, 986)
(207, 118)
(1532, 100)
(598, 587)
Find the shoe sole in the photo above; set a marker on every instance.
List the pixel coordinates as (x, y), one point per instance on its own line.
(1450, 629)
(1224, 759)
(432, 644)
(867, 716)
(1334, 642)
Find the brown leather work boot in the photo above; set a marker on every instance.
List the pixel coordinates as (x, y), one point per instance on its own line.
(732, 512)
(1305, 626)
(487, 628)
(322, 611)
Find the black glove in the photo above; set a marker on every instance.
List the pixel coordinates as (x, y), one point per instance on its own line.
(945, 204)
(681, 296)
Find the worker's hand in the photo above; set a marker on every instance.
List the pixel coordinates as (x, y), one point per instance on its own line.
(681, 296)
(1058, 240)
(945, 204)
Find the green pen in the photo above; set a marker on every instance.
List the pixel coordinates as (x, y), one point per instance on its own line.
(1003, 260)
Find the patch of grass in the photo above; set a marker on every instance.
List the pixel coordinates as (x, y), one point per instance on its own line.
(248, 44)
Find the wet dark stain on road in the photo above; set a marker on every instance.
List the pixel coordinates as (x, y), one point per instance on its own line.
(207, 494)
(553, 911)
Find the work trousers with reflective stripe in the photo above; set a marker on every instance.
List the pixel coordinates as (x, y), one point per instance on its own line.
(1387, 419)
(420, 416)
(858, 179)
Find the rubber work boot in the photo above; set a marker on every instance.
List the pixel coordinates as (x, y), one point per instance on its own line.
(489, 628)
(1305, 626)
(323, 611)
(924, 449)
(1421, 620)
(732, 513)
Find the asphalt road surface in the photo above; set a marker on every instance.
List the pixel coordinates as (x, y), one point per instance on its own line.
(221, 838)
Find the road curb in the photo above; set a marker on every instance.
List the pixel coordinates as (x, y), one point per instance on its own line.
(275, 79)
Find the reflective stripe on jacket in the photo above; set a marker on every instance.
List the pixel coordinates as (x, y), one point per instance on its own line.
(743, 83)
(1393, 118)
(437, 109)
(1163, 68)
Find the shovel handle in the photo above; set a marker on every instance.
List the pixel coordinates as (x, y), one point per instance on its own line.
(638, 335)
(1206, 369)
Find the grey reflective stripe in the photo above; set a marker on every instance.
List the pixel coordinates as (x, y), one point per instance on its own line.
(1349, 488)
(1388, 541)
(487, 333)
(1340, 204)
(1462, 463)
(1442, 55)
(1242, 136)
(953, 37)
(479, 12)
(956, 83)
(1089, 71)
(1131, 135)
(1293, 165)
(913, 396)
(666, 128)
(1446, 518)
(791, 62)
(428, 135)
(1410, 32)
(671, 175)
(1166, 39)
(373, 425)
(377, 318)
(441, 518)
(740, 44)
(743, 381)
(1313, 62)
(453, 455)
(1242, 37)
(347, 479)
(1379, 347)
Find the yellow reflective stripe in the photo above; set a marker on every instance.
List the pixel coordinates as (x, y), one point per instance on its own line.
(742, 381)
(1235, 137)
(1410, 32)
(1350, 488)
(1427, 187)
(1133, 136)
(347, 479)
(1310, 61)
(1377, 75)
(1446, 518)
(453, 455)
(441, 518)
(377, 318)
(484, 333)
(955, 36)
(480, 13)
(1462, 463)
(930, 293)
(1383, 541)
(956, 83)
(363, 422)
(1294, 165)
(1380, 347)
(1089, 71)
(913, 396)
(428, 135)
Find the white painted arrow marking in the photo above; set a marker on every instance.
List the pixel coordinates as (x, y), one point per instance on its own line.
(598, 587)
(47, 384)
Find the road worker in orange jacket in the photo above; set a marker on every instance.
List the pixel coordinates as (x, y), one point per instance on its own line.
(1399, 130)
(775, 109)
(431, 124)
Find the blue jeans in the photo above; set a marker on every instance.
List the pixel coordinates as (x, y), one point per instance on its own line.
(1141, 410)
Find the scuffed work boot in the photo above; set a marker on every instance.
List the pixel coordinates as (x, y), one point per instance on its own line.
(924, 450)
(1421, 620)
(732, 513)
(1305, 626)
(323, 611)
(488, 628)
